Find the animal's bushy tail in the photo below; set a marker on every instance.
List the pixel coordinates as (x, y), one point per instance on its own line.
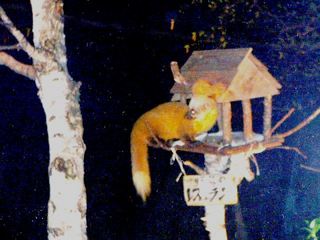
(140, 166)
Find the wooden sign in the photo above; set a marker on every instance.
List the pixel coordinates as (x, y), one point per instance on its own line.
(203, 190)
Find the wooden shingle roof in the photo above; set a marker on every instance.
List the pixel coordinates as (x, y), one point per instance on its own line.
(242, 73)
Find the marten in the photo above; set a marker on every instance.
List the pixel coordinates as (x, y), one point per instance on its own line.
(172, 120)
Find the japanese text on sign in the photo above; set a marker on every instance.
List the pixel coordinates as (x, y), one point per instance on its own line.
(202, 190)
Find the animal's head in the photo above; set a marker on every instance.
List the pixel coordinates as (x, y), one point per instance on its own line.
(207, 89)
(204, 96)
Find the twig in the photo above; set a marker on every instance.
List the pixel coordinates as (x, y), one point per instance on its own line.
(317, 170)
(282, 120)
(295, 149)
(301, 26)
(253, 147)
(176, 157)
(196, 168)
(273, 142)
(255, 162)
(11, 47)
(301, 125)
(16, 66)
(25, 45)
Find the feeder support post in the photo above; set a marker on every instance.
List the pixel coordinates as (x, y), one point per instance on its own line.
(226, 122)
(247, 119)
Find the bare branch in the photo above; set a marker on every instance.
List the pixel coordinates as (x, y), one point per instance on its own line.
(313, 169)
(23, 42)
(16, 66)
(255, 162)
(282, 120)
(305, 26)
(253, 147)
(301, 125)
(195, 167)
(295, 149)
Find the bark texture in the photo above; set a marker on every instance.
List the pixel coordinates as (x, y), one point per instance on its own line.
(237, 167)
(59, 95)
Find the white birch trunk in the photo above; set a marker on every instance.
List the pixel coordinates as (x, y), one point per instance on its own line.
(239, 168)
(59, 97)
(214, 218)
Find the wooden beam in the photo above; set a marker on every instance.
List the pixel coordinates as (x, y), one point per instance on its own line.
(267, 116)
(226, 122)
(247, 120)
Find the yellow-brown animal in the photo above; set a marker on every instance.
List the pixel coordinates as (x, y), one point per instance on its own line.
(172, 120)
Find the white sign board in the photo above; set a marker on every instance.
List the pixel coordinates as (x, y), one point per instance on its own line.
(203, 190)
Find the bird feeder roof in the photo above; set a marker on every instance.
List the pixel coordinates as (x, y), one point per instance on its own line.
(238, 69)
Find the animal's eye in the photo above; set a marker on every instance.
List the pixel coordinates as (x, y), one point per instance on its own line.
(193, 112)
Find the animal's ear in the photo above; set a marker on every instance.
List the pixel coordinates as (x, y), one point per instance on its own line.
(201, 87)
(206, 88)
(216, 90)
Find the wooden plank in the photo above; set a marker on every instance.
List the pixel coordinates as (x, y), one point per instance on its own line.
(217, 60)
(243, 74)
(257, 62)
(264, 71)
(250, 83)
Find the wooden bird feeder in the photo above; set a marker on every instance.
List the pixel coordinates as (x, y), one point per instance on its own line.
(244, 76)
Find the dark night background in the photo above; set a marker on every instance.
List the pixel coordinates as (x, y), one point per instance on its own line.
(121, 51)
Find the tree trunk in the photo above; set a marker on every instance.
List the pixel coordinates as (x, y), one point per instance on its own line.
(235, 166)
(59, 96)
(214, 218)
